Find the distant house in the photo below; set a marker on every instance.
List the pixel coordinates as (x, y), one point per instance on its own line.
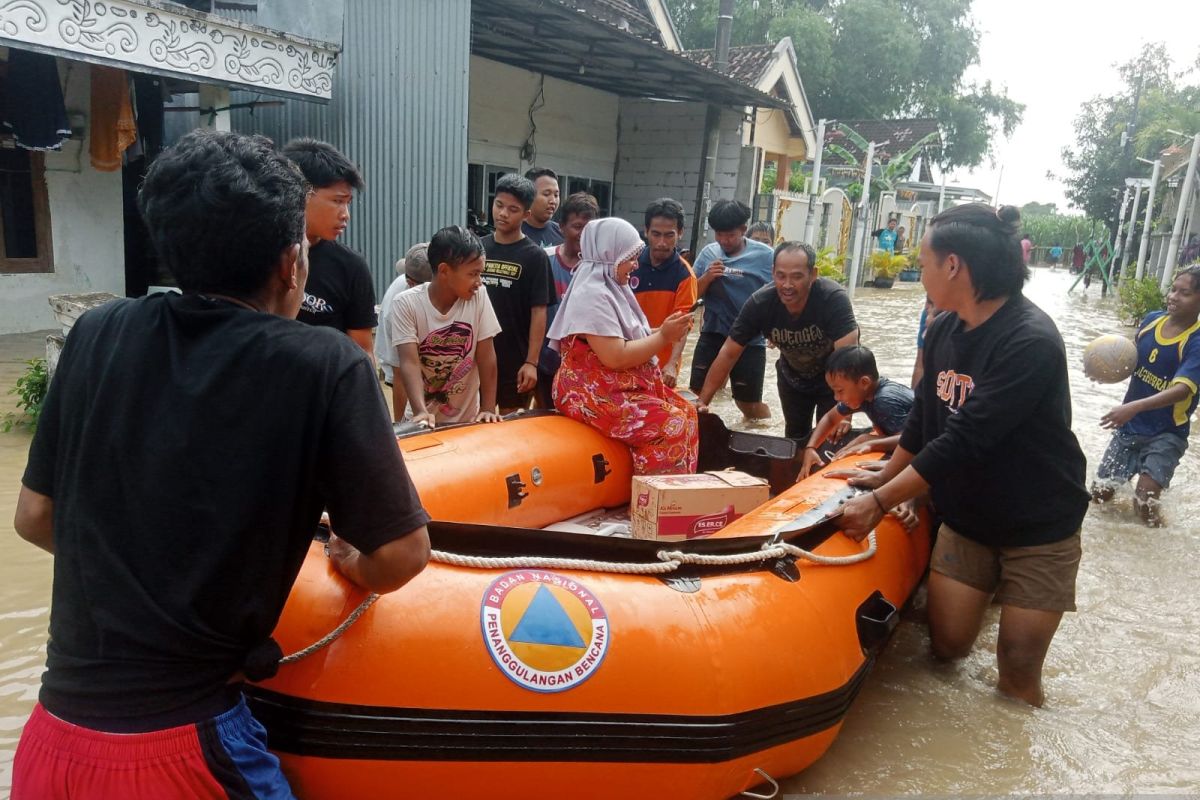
(780, 137)
(102, 73)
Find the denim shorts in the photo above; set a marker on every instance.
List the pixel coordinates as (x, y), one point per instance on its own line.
(1130, 454)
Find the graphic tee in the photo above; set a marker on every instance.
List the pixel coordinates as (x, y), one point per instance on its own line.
(1162, 363)
(517, 277)
(804, 340)
(340, 292)
(446, 345)
(991, 428)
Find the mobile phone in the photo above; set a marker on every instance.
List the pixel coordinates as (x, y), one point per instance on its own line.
(696, 305)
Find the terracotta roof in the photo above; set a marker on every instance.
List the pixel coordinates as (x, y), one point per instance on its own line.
(900, 134)
(747, 63)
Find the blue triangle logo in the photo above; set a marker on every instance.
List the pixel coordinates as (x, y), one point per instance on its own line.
(545, 622)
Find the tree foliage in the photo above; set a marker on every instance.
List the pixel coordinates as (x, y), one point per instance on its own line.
(875, 59)
(1098, 163)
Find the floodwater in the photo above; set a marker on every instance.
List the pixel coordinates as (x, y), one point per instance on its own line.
(1122, 678)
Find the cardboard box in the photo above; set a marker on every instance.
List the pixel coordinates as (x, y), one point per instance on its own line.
(675, 508)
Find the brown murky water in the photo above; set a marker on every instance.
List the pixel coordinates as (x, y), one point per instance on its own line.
(1122, 679)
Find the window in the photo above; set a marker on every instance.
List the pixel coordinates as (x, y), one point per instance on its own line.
(601, 190)
(24, 213)
(481, 188)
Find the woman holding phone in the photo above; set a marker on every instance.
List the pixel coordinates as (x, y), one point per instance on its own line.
(609, 377)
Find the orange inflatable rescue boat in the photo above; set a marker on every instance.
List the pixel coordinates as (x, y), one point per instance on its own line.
(527, 662)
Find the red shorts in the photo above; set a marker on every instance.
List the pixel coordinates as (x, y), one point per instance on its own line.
(222, 757)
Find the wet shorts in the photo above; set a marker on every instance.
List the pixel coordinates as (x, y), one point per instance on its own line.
(746, 377)
(222, 757)
(1039, 577)
(1129, 454)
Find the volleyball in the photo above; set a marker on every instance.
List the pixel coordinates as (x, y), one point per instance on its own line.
(1109, 359)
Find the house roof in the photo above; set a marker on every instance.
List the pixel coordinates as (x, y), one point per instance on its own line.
(747, 63)
(588, 42)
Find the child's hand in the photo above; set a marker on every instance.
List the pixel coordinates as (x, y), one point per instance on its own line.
(906, 512)
(811, 459)
(840, 430)
(487, 416)
(425, 418)
(1118, 416)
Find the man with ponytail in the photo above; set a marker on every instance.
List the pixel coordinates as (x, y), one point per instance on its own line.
(989, 437)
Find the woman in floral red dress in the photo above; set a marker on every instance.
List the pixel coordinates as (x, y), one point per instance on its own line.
(609, 378)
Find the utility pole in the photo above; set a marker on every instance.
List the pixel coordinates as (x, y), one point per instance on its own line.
(861, 222)
(712, 130)
(1145, 245)
(1116, 253)
(814, 191)
(1128, 248)
(1185, 200)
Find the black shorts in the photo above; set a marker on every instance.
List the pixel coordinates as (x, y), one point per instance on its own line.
(799, 408)
(746, 377)
(507, 395)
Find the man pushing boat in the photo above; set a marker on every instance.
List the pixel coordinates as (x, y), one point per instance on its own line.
(187, 448)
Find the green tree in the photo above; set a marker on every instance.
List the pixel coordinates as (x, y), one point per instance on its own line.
(1097, 164)
(1038, 209)
(875, 59)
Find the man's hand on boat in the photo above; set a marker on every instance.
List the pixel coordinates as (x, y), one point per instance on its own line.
(487, 416)
(386, 568)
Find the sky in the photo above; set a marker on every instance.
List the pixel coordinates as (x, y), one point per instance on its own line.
(1053, 55)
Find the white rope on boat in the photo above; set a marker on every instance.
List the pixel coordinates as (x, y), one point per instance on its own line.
(669, 561)
(532, 562)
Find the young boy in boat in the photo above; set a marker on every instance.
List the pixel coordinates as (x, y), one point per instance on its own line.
(989, 437)
(174, 552)
(443, 333)
(1152, 423)
(853, 376)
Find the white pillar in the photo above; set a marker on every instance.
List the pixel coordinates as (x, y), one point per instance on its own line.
(861, 222)
(214, 97)
(1128, 249)
(1145, 245)
(810, 223)
(1185, 200)
(1116, 251)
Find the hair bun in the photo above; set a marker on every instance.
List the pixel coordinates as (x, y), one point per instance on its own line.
(1010, 215)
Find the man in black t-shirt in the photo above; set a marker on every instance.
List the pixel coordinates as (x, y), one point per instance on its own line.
(520, 286)
(805, 317)
(539, 224)
(341, 292)
(175, 549)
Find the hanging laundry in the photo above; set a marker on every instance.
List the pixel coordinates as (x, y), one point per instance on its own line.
(113, 128)
(34, 109)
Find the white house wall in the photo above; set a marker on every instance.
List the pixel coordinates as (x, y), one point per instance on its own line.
(576, 128)
(660, 144)
(86, 223)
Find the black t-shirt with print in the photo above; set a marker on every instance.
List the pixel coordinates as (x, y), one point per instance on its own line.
(805, 340)
(190, 446)
(517, 277)
(340, 292)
